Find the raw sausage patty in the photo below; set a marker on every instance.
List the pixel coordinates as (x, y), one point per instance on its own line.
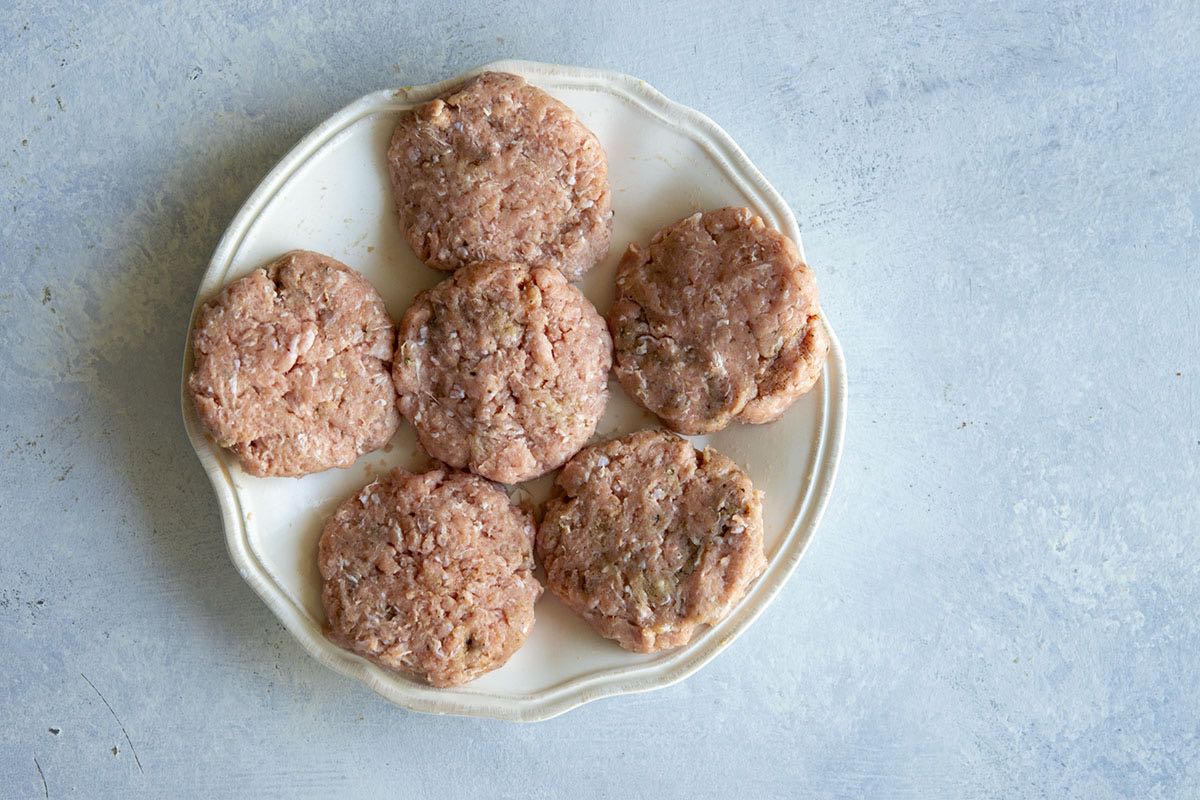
(291, 367)
(499, 170)
(430, 575)
(503, 369)
(648, 538)
(716, 320)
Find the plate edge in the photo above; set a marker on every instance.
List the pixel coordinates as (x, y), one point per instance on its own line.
(563, 698)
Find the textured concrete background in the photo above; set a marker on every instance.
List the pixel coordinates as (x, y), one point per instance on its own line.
(1001, 206)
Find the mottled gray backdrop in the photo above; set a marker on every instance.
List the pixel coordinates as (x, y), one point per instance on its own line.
(1000, 202)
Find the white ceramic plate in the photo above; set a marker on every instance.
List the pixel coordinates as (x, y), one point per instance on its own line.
(331, 194)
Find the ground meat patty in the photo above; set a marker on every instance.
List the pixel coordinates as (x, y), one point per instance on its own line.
(716, 320)
(430, 575)
(503, 369)
(648, 538)
(499, 170)
(291, 367)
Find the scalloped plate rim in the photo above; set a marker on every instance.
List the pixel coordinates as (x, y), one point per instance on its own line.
(598, 684)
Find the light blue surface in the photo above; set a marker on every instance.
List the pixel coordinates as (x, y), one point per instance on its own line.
(1001, 208)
